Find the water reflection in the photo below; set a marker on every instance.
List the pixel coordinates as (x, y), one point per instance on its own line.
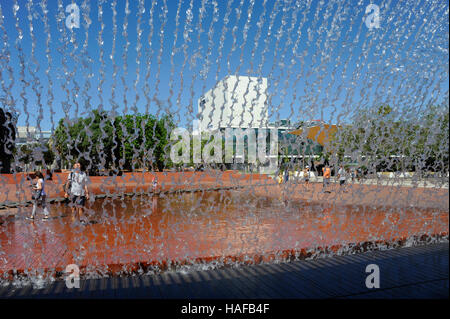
(194, 227)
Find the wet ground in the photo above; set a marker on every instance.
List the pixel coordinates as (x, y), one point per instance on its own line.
(248, 225)
(405, 273)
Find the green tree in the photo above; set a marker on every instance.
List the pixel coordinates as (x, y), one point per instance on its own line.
(121, 143)
(393, 143)
(142, 141)
(25, 154)
(88, 140)
(431, 147)
(35, 154)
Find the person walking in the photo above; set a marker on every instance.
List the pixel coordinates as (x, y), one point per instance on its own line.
(286, 176)
(67, 187)
(306, 175)
(155, 184)
(78, 191)
(326, 178)
(280, 178)
(342, 177)
(359, 174)
(39, 196)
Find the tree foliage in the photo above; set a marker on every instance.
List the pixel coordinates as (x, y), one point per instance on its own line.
(35, 154)
(126, 142)
(394, 143)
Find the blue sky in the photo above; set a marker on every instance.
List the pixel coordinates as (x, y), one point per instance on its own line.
(320, 58)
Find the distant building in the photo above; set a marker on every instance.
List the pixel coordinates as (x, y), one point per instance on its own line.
(30, 134)
(234, 102)
(240, 103)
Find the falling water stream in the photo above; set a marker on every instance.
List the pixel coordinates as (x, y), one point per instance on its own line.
(110, 80)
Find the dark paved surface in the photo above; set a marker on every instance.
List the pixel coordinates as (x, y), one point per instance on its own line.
(413, 272)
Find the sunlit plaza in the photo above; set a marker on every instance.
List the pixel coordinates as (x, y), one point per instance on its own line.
(224, 149)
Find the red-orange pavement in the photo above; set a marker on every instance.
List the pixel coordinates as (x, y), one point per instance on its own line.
(15, 187)
(250, 224)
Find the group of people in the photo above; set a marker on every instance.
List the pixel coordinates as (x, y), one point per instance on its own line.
(343, 175)
(284, 177)
(75, 192)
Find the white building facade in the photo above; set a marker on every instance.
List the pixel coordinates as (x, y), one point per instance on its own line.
(233, 129)
(30, 134)
(234, 102)
(236, 109)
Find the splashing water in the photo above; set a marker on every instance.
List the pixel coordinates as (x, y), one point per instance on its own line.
(359, 88)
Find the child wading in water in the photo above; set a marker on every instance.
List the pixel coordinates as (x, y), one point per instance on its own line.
(39, 196)
(280, 181)
(306, 175)
(280, 178)
(326, 178)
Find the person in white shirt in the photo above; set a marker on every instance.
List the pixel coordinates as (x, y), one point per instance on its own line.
(342, 177)
(78, 190)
